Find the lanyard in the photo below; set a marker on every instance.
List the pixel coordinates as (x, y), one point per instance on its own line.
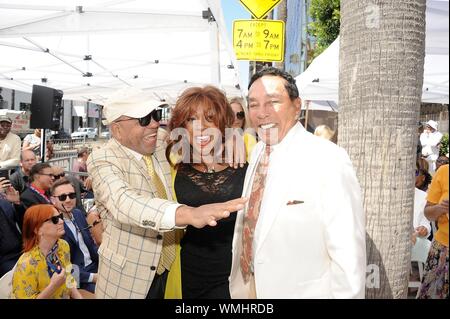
(77, 229)
(40, 194)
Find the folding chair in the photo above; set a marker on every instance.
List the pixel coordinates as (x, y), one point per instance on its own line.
(6, 284)
(419, 254)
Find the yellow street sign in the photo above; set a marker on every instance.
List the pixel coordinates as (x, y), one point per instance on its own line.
(259, 40)
(259, 8)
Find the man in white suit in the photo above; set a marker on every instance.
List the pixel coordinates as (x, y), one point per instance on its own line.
(128, 197)
(309, 238)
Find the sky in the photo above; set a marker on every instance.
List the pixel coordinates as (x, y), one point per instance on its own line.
(234, 10)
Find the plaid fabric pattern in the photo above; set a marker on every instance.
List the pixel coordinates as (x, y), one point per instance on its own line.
(168, 250)
(129, 205)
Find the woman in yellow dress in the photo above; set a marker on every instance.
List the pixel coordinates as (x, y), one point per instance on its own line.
(44, 269)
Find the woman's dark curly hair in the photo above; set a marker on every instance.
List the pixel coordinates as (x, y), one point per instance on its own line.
(426, 181)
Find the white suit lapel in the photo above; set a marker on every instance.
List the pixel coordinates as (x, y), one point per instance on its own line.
(272, 200)
(251, 170)
(279, 168)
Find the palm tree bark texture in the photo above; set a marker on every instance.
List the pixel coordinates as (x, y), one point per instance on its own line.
(382, 50)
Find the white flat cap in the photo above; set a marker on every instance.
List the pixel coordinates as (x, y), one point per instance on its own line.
(130, 101)
(432, 124)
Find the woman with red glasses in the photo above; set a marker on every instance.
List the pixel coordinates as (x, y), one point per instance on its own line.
(44, 269)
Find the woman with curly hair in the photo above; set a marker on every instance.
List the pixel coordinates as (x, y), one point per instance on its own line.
(202, 177)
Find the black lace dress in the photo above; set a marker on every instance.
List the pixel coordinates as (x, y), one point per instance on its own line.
(206, 252)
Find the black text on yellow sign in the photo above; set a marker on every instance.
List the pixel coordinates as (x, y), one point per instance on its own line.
(259, 40)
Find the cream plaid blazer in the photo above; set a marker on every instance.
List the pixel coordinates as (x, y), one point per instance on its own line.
(125, 198)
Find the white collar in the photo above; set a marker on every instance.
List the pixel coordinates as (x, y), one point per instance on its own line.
(136, 155)
(298, 127)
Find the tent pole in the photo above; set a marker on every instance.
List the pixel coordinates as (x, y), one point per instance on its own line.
(306, 115)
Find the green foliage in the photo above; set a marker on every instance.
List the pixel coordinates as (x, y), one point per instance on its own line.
(444, 145)
(326, 23)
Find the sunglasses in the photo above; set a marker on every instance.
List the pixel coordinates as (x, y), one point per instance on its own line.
(59, 176)
(55, 219)
(240, 115)
(49, 175)
(156, 115)
(63, 197)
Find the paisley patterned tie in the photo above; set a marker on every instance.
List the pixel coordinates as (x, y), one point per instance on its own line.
(251, 218)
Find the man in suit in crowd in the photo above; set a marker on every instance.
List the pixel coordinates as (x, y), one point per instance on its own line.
(59, 172)
(83, 250)
(20, 179)
(10, 237)
(41, 179)
(302, 233)
(132, 188)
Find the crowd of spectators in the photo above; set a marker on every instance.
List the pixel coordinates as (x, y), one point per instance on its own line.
(47, 238)
(61, 232)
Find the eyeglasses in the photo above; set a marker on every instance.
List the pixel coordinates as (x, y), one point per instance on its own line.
(59, 176)
(240, 115)
(55, 219)
(156, 115)
(50, 175)
(63, 197)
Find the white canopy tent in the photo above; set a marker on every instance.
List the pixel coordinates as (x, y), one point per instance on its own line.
(321, 80)
(90, 48)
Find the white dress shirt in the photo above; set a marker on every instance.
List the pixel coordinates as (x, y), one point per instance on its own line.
(79, 238)
(420, 200)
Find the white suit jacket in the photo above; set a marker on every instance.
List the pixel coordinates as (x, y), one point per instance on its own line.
(429, 143)
(125, 198)
(311, 250)
(420, 200)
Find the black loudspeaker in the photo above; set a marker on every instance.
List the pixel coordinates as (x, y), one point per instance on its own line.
(46, 107)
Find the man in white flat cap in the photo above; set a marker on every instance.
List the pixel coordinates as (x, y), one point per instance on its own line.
(430, 140)
(133, 193)
(9, 147)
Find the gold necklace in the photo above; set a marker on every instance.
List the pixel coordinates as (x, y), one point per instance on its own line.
(205, 169)
(210, 170)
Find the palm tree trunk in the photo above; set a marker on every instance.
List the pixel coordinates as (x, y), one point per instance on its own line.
(382, 49)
